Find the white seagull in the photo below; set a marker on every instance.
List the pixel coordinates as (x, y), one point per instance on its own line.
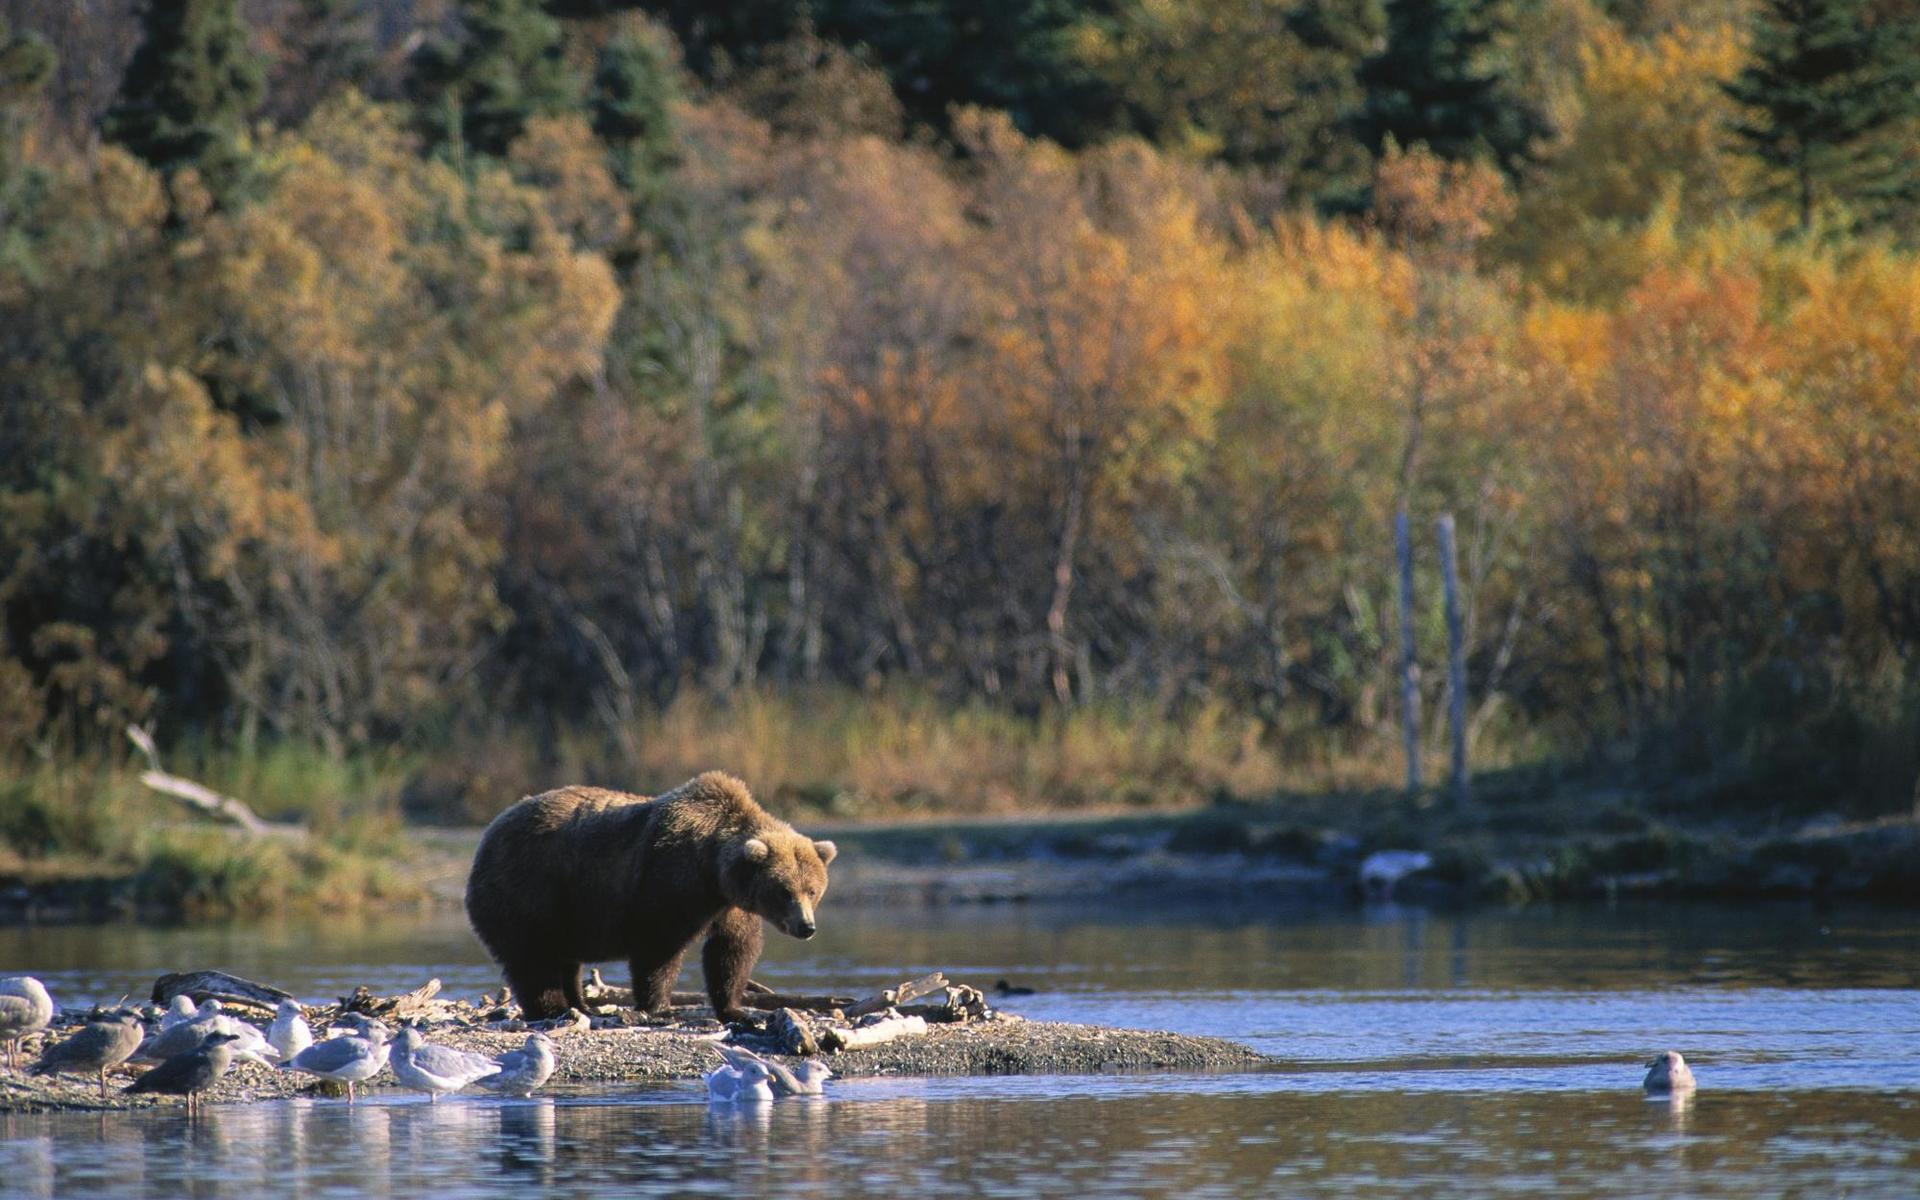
(289, 1033)
(747, 1083)
(349, 1059)
(1668, 1072)
(804, 1082)
(436, 1069)
(25, 1009)
(522, 1070)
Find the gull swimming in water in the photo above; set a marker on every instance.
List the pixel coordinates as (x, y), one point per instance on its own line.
(348, 1059)
(804, 1082)
(522, 1070)
(747, 1083)
(436, 1069)
(1668, 1072)
(25, 1009)
(191, 1073)
(289, 1033)
(100, 1045)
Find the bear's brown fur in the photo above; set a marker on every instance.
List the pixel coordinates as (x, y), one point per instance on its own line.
(581, 874)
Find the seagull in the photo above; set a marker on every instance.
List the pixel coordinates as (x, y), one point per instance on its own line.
(744, 1084)
(191, 1034)
(191, 1073)
(348, 1059)
(1668, 1072)
(25, 1009)
(804, 1082)
(290, 1033)
(181, 1032)
(100, 1045)
(1384, 868)
(436, 1069)
(522, 1070)
(180, 1010)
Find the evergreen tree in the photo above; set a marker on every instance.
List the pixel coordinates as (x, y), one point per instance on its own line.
(328, 45)
(1430, 85)
(187, 94)
(635, 87)
(26, 63)
(1828, 88)
(476, 90)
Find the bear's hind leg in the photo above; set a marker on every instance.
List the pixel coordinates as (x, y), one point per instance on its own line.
(653, 982)
(733, 947)
(570, 988)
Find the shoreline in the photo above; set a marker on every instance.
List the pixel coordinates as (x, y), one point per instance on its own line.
(1225, 852)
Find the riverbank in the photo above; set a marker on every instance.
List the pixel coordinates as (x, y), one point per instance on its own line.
(1520, 838)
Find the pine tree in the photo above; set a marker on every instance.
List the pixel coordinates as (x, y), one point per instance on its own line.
(635, 88)
(1828, 88)
(26, 63)
(474, 92)
(328, 45)
(1429, 85)
(187, 94)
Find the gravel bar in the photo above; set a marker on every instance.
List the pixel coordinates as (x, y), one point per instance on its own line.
(998, 1045)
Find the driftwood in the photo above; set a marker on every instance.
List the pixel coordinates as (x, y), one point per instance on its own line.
(408, 1006)
(892, 997)
(195, 795)
(598, 991)
(199, 986)
(877, 1033)
(962, 1003)
(791, 1034)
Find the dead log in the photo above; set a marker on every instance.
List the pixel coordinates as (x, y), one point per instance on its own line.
(791, 1034)
(407, 1006)
(876, 1034)
(200, 986)
(892, 997)
(195, 795)
(962, 1003)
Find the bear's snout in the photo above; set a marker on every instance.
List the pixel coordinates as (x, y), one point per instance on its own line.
(798, 921)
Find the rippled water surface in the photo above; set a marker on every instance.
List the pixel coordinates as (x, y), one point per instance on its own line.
(1425, 1055)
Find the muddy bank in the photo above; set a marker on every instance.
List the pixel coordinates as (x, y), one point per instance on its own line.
(1003, 1045)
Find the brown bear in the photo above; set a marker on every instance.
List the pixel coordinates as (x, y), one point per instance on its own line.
(582, 874)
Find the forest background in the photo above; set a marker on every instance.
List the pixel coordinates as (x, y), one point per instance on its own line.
(935, 406)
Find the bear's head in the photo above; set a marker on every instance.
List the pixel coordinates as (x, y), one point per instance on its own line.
(780, 875)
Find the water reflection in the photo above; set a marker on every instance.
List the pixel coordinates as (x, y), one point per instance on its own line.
(1436, 1054)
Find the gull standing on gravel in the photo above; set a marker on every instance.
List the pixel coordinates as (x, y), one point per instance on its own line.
(191, 1073)
(1668, 1072)
(188, 1035)
(744, 1084)
(804, 1082)
(100, 1045)
(290, 1033)
(25, 1009)
(436, 1069)
(181, 1009)
(522, 1070)
(348, 1059)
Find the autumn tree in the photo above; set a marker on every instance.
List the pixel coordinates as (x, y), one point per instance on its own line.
(1831, 94)
(189, 91)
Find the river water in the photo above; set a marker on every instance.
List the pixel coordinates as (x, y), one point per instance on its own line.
(1482, 1054)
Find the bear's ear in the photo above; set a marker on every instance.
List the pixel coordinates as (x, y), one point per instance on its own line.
(826, 851)
(755, 850)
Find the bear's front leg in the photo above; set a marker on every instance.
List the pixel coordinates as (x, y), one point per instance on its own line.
(733, 946)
